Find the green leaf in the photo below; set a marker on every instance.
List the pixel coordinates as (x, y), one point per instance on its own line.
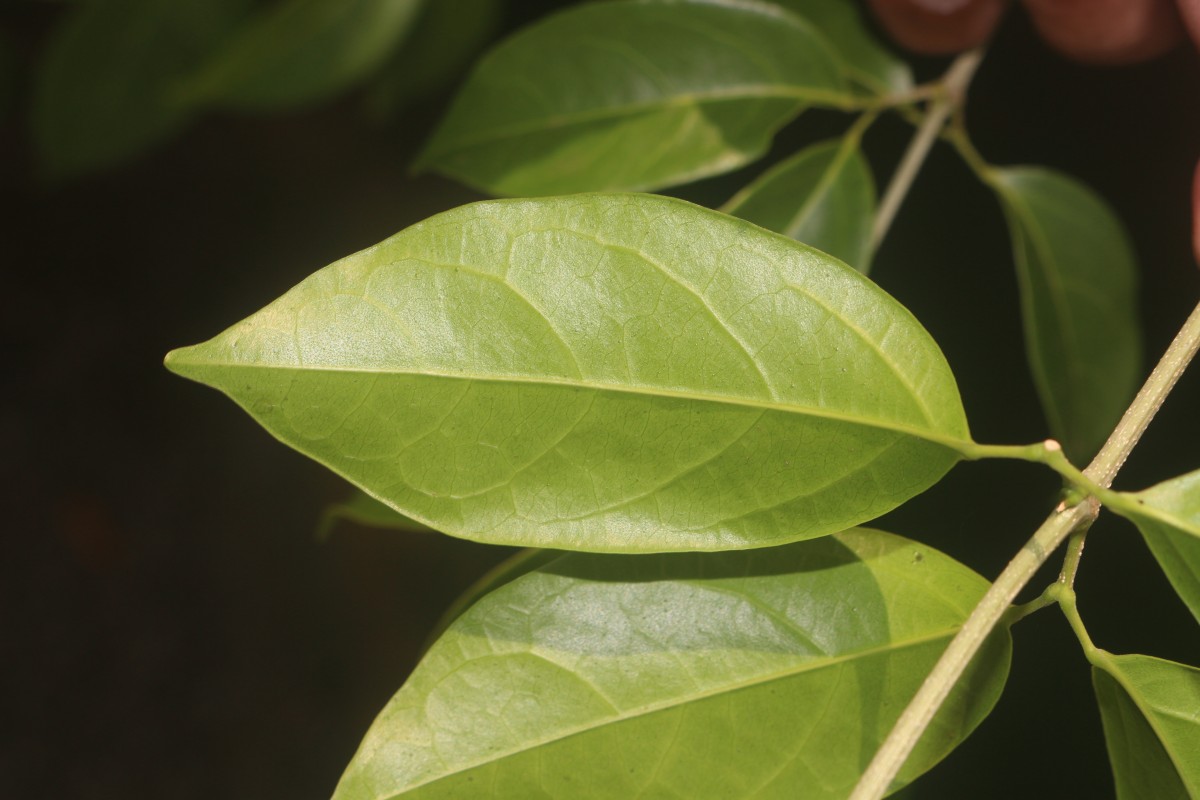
(1168, 515)
(1078, 298)
(302, 51)
(823, 196)
(632, 95)
(508, 570)
(866, 60)
(363, 509)
(601, 372)
(754, 674)
(106, 86)
(445, 38)
(1151, 714)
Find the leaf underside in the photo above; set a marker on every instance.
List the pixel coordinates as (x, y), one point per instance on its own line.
(756, 674)
(602, 372)
(1168, 515)
(1151, 714)
(1078, 279)
(631, 95)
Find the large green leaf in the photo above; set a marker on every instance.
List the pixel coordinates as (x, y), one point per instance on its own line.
(106, 87)
(760, 674)
(823, 196)
(600, 372)
(1151, 714)
(866, 60)
(1168, 515)
(302, 51)
(1078, 299)
(632, 95)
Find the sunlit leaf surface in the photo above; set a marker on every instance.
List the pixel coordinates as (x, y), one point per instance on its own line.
(601, 372)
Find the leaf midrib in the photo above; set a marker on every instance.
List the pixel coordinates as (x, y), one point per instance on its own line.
(962, 446)
(729, 688)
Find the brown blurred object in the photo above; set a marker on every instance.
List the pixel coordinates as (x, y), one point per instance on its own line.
(938, 27)
(1196, 213)
(1190, 11)
(1108, 31)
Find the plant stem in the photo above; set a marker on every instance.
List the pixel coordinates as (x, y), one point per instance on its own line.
(1109, 460)
(953, 86)
(992, 608)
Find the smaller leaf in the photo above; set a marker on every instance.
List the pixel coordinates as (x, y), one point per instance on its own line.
(747, 674)
(823, 196)
(363, 509)
(867, 61)
(444, 40)
(106, 86)
(1151, 714)
(632, 95)
(1168, 515)
(302, 51)
(1078, 299)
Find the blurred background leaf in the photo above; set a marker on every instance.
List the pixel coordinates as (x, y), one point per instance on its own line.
(107, 81)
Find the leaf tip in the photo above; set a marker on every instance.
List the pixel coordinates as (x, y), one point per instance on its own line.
(182, 361)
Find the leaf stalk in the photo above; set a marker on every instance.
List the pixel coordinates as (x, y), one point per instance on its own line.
(992, 609)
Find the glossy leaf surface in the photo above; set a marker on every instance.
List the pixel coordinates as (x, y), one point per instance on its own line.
(764, 674)
(1078, 300)
(865, 59)
(823, 196)
(1151, 714)
(1168, 515)
(302, 51)
(600, 372)
(632, 95)
(106, 87)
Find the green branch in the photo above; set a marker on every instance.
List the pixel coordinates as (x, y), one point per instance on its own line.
(953, 87)
(1065, 520)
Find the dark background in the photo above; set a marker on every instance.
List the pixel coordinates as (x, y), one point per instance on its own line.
(170, 625)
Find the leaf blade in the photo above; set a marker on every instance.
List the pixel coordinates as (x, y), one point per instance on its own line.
(601, 372)
(1168, 516)
(725, 676)
(1077, 274)
(866, 60)
(106, 86)
(823, 196)
(302, 51)
(1148, 707)
(631, 96)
